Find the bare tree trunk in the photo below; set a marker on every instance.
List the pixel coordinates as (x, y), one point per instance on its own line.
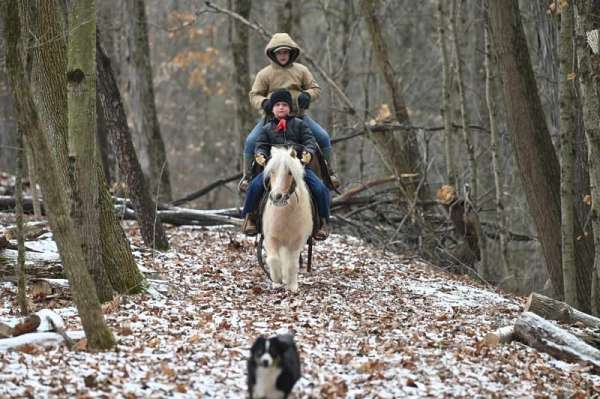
(119, 263)
(589, 72)
(538, 165)
(567, 61)
(400, 149)
(490, 93)
(288, 17)
(116, 123)
(81, 85)
(33, 180)
(82, 286)
(451, 174)
(7, 122)
(239, 49)
(145, 117)
(21, 276)
(467, 137)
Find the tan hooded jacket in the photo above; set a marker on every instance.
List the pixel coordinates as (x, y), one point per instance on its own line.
(293, 77)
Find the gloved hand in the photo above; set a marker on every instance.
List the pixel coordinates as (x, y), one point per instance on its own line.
(306, 157)
(266, 106)
(304, 100)
(260, 159)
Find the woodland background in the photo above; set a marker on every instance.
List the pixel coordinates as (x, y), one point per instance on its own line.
(416, 70)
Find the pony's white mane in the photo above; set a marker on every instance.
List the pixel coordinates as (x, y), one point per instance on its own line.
(281, 157)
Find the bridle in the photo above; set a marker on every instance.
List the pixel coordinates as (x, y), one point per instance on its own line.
(284, 198)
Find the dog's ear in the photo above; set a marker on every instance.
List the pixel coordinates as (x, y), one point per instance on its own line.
(260, 342)
(283, 343)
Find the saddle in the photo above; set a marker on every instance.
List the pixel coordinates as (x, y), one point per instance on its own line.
(315, 216)
(319, 166)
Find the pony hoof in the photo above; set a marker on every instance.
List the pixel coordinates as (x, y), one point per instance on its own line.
(276, 286)
(293, 288)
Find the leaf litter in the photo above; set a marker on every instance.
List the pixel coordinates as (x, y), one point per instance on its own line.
(368, 325)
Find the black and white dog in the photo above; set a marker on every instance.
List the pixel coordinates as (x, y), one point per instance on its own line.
(273, 367)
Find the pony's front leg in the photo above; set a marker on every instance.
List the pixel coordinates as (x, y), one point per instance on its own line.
(274, 262)
(275, 270)
(290, 266)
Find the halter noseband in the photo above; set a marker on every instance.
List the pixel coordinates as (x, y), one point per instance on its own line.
(283, 200)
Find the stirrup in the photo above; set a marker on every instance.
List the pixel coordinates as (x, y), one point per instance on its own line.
(322, 234)
(249, 227)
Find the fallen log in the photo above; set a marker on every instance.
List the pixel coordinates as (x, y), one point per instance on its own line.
(184, 216)
(31, 230)
(503, 335)
(551, 309)
(545, 336)
(37, 264)
(8, 203)
(24, 342)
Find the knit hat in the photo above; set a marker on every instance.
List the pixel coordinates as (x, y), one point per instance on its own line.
(281, 95)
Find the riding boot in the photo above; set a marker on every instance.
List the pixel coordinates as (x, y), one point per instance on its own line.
(249, 226)
(247, 173)
(323, 232)
(335, 181)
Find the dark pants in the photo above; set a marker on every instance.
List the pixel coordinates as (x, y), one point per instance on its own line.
(320, 193)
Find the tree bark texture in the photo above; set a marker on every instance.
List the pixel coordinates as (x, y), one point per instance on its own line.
(589, 73)
(547, 337)
(144, 107)
(84, 292)
(116, 123)
(446, 100)
(400, 149)
(289, 14)
(48, 46)
(537, 162)
(81, 90)
(490, 97)
(21, 276)
(7, 122)
(551, 309)
(119, 263)
(241, 75)
(467, 136)
(567, 61)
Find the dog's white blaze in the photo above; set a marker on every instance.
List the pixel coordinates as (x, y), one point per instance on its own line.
(265, 383)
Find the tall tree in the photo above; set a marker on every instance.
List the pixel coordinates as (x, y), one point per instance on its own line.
(567, 60)
(151, 229)
(537, 162)
(589, 73)
(81, 85)
(490, 97)
(401, 147)
(82, 286)
(241, 74)
(143, 104)
(49, 63)
(21, 276)
(451, 174)
(289, 14)
(460, 80)
(7, 121)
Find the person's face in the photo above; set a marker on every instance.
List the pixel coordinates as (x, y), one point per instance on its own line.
(283, 56)
(281, 109)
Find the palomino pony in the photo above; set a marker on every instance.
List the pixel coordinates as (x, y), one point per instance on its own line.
(287, 221)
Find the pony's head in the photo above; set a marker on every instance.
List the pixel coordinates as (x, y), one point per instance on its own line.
(285, 173)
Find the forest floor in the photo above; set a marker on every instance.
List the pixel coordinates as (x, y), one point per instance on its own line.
(368, 325)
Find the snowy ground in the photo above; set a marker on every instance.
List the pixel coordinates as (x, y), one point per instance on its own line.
(368, 325)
